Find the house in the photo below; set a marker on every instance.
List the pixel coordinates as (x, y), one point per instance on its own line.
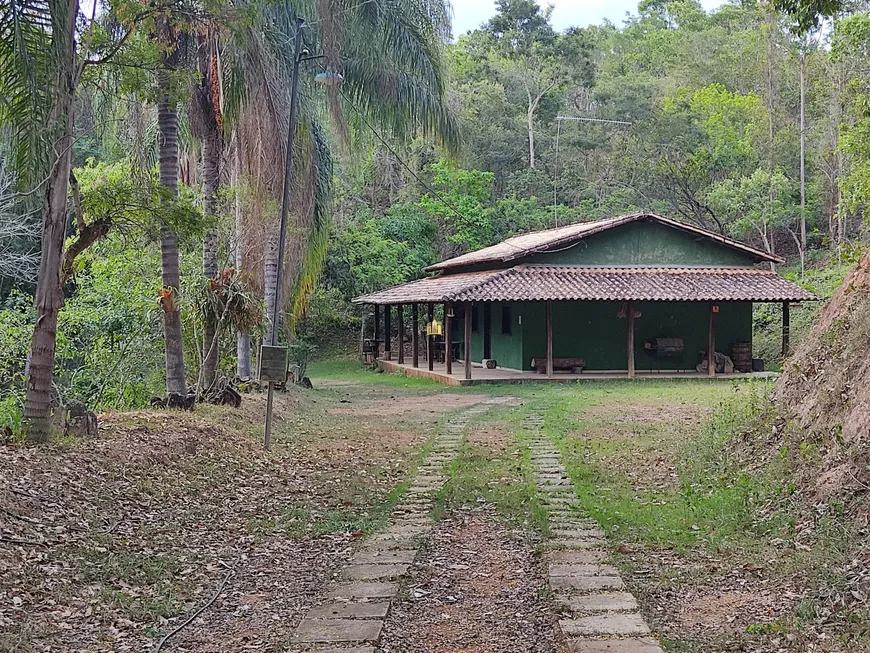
(629, 295)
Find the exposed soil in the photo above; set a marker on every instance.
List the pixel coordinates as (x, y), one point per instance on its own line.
(494, 437)
(824, 390)
(475, 588)
(414, 405)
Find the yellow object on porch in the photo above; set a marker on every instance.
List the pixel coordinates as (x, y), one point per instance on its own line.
(434, 328)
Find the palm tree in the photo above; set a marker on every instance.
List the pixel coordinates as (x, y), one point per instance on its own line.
(390, 54)
(167, 36)
(207, 125)
(38, 85)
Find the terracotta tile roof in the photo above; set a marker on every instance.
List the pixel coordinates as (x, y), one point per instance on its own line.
(538, 241)
(431, 289)
(576, 283)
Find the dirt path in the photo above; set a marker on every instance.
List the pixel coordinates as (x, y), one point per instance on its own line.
(477, 588)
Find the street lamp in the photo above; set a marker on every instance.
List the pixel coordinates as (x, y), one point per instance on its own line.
(274, 353)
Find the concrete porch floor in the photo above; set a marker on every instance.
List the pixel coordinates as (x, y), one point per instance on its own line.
(481, 375)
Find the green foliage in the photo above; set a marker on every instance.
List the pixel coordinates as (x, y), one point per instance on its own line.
(362, 258)
(461, 208)
(301, 353)
(757, 203)
(110, 350)
(135, 202)
(16, 330)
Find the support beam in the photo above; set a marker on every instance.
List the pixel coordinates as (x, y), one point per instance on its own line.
(415, 337)
(711, 343)
(388, 333)
(630, 344)
(786, 330)
(448, 337)
(430, 310)
(400, 318)
(469, 308)
(549, 339)
(377, 344)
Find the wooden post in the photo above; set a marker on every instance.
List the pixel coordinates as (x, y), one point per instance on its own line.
(549, 339)
(400, 318)
(377, 345)
(448, 338)
(786, 330)
(431, 317)
(388, 345)
(415, 336)
(469, 307)
(711, 343)
(631, 340)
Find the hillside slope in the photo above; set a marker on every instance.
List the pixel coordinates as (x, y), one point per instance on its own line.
(824, 392)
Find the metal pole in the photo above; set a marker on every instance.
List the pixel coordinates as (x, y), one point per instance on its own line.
(803, 153)
(285, 210)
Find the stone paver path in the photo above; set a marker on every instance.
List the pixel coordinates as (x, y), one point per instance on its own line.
(352, 618)
(604, 617)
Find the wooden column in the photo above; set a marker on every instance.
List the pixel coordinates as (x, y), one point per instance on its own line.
(469, 307)
(415, 336)
(430, 309)
(786, 330)
(448, 338)
(377, 345)
(400, 318)
(549, 339)
(711, 343)
(388, 345)
(630, 340)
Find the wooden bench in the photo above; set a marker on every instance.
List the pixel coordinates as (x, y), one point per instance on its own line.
(573, 365)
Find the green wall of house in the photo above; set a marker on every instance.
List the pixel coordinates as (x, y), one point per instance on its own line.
(593, 331)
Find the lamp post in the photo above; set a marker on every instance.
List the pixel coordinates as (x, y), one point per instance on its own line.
(330, 78)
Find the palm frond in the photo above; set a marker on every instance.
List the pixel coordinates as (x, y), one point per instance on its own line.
(25, 59)
(318, 233)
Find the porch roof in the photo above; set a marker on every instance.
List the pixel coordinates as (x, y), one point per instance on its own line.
(578, 283)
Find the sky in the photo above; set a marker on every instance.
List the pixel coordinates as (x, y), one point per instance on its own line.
(469, 14)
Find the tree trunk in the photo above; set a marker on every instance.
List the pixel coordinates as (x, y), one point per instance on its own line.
(211, 156)
(530, 117)
(243, 339)
(167, 142)
(49, 294)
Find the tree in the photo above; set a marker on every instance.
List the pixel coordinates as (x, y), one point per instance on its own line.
(166, 34)
(41, 71)
(390, 56)
(530, 57)
(18, 259)
(207, 125)
(756, 204)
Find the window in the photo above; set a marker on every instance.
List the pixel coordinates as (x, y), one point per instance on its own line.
(506, 319)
